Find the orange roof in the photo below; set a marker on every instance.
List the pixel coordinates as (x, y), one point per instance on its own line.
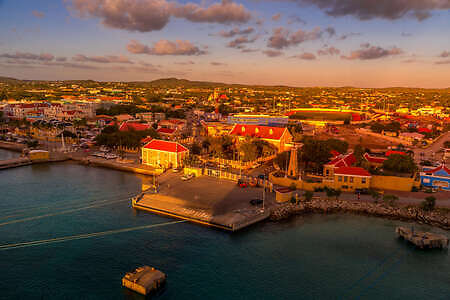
(352, 171)
(165, 130)
(263, 132)
(343, 160)
(166, 146)
(127, 126)
(146, 140)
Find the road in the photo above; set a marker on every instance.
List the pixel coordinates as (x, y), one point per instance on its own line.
(430, 152)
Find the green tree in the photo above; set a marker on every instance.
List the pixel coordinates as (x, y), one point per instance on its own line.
(308, 196)
(390, 199)
(429, 203)
(400, 163)
(337, 145)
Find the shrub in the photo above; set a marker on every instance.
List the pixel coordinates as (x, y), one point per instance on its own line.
(293, 186)
(414, 189)
(390, 199)
(293, 200)
(308, 196)
(429, 203)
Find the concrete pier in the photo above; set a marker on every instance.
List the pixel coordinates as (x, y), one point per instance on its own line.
(144, 280)
(14, 163)
(423, 240)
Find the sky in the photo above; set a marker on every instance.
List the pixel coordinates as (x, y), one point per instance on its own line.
(361, 43)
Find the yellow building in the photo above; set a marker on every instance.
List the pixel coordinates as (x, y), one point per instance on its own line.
(38, 155)
(351, 178)
(164, 154)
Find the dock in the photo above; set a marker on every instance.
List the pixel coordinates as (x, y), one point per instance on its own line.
(423, 240)
(144, 280)
(14, 163)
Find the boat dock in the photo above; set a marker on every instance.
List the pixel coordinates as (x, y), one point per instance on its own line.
(144, 280)
(14, 163)
(423, 240)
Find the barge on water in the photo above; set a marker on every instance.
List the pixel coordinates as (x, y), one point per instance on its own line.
(421, 239)
(144, 280)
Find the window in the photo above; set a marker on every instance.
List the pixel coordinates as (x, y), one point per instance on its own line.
(363, 180)
(340, 178)
(351, 179)
(345, 178)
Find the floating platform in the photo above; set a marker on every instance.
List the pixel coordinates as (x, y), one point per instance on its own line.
(144, 280)
(423, 240)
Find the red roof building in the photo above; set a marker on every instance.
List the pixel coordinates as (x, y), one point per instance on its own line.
(343, 160)
(130, 126)
(390, 152)
(163, 154)
(277, 136)
(374, 160)
(352, 171)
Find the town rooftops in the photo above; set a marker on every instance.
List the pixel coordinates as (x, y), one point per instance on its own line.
(263, 132)
(146, 140)
(390, 152)
(165, 130)
(165, 146)
(127, 126)
(352, 171)
(343, 160)
(374, 159)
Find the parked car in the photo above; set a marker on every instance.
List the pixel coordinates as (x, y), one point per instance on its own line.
(256, 201)
(187, 177)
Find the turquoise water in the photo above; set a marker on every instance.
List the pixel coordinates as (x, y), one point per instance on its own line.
(314, 257)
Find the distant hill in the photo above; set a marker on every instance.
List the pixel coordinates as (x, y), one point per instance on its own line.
(8, 79)
(174, 82)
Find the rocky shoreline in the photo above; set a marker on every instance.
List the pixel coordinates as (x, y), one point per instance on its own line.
(322, 206)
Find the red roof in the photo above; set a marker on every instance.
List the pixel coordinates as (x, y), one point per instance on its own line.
(390, 152)
(166, 146)
(334, 153)
(127, 126)
(352, 171)
(343, 160)
(441, 167)
(423, 129)
(263, 132)
(146, 140)
(166, 130)
(374, 159)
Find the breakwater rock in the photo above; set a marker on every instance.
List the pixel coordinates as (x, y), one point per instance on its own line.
(322, 206)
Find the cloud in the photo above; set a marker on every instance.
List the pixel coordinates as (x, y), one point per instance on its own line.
(383, 9)
(283, 38)
(150, 15)
(368, 51)
(102, 59)
(38, 14)
(406, 34)
(306, 56)
(185, 63)
(296, 19)
(276, 17)
(239, 42)
(30, 56)
(331, 31)
(443, 62)
(348, 35)
(328, 51)
(445, 54)
(165, 47)
(248, 50)
(215, 63)
(272, 53)
(236, 31)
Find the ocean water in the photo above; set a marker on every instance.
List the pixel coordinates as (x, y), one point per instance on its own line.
(312, 257)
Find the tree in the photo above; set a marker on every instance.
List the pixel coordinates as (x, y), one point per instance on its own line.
(308, 196)
(375, 195)
(390, 199)
(359, 152)
(316, 152)
(249, 150)
(447, 144)
(196, 149)
(337, 145)
(282, 160)
(400, 163)
(429, 203)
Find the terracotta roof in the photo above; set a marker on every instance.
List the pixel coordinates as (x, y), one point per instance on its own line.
(166, 130)
(263, 132)
(146, 140)
(352, 171)
(390, 152)
(334, 153)
(424, 129)
(127, 126)
(374, 159)
(165, 146)
(343, 160)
